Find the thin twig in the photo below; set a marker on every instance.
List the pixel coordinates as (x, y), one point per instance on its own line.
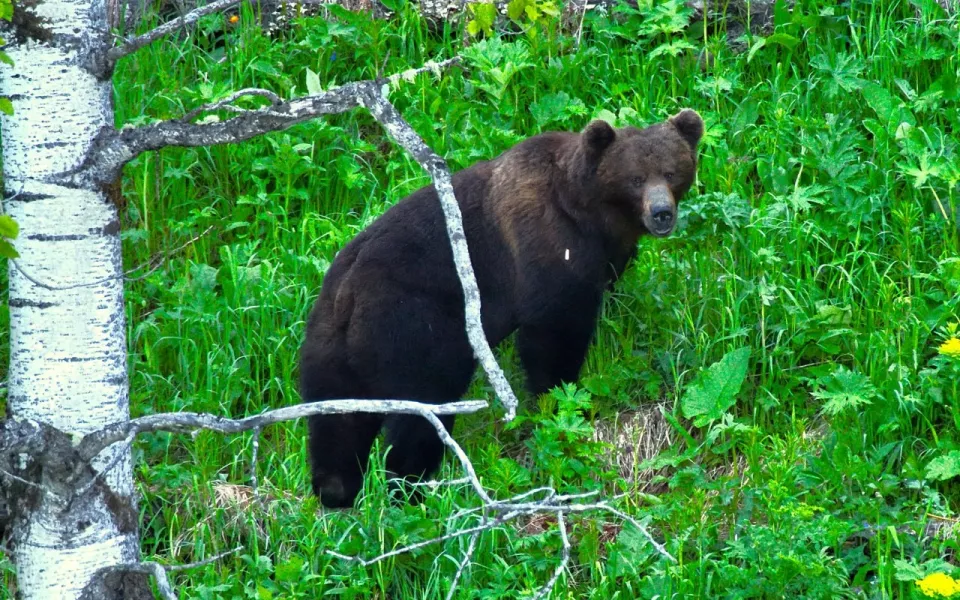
(154, 263)
(49, 494)
(132, 45)
(643, 531)
(564, 559)
(583, 15)
(486, 525)
(204, 562)
(253, 463)
(463, 564)
(433, 484)
(272, 97)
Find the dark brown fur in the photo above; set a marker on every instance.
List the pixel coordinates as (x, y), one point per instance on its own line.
(550, 223)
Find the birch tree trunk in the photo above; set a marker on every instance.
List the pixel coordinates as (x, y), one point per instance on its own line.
(67, 323)
(65, 461)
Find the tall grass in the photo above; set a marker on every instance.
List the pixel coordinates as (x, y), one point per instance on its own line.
(822, 234)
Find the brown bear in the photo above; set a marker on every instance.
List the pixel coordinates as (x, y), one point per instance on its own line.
(550, 223)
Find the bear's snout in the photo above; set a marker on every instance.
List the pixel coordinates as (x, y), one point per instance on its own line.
(659, 210)
(663, 218)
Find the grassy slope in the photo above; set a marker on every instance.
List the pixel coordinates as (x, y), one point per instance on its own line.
(820, 235)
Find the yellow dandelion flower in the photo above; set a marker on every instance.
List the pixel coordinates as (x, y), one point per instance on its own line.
(234, 19)
(950, 348)
(938, 585)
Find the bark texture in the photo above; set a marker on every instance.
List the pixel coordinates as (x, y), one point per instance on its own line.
(67, 324)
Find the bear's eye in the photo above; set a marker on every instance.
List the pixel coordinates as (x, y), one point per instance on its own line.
(638, 181)
(668, 177)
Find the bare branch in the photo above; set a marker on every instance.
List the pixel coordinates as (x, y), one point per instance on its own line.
(49, 494)
(393, 122)
(499, 512)
(131, 46)
(253, 463)
(159, 574)
(226, 102)
(434, 484)
(154, 264)
(127, 443)
(94, 442)
(564, 559)
(471, 547)
(113, 149)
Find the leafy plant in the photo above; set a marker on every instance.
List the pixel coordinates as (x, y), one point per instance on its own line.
(8, 230)
(820, 233)
(715, 390)
(844, 390)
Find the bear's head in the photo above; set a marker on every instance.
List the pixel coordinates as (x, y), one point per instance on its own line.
(643, 173)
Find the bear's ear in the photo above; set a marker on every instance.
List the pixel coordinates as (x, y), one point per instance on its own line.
(597, 137)
(690, 126)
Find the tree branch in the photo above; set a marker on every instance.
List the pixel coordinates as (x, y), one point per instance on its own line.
(463, 564)
(564, 559)
(154, 263)
(93, 443)
(400, 130)
(115, 148)
(130, 46)
(499, 512)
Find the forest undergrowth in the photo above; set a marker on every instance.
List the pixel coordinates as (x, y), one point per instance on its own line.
(774, 390)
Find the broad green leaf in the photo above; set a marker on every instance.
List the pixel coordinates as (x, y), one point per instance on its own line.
(888, 108)
(516, 8)
(944, 467)
(7, 250)
(556, 108)
(289, 572)
(760, 43)
(473, 27)
(8, 227)
(906, 571)
(484, 16)
(715, 390)
(203, 277)
(6, 107)
(608, 116)
(6, 10)
(313, 83)
(4, 57)
(265, 67)
(845, 390)
(783, 39)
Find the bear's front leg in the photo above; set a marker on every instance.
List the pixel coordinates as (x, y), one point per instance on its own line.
(552, 355)
(339, 452)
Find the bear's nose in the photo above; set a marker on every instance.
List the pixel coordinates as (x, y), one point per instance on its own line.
(662, 218)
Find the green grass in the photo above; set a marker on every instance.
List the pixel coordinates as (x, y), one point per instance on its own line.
(822, 234)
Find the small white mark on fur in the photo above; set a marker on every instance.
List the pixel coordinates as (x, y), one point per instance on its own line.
(566, 255)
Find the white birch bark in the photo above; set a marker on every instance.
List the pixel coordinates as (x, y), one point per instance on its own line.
(67, 337)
